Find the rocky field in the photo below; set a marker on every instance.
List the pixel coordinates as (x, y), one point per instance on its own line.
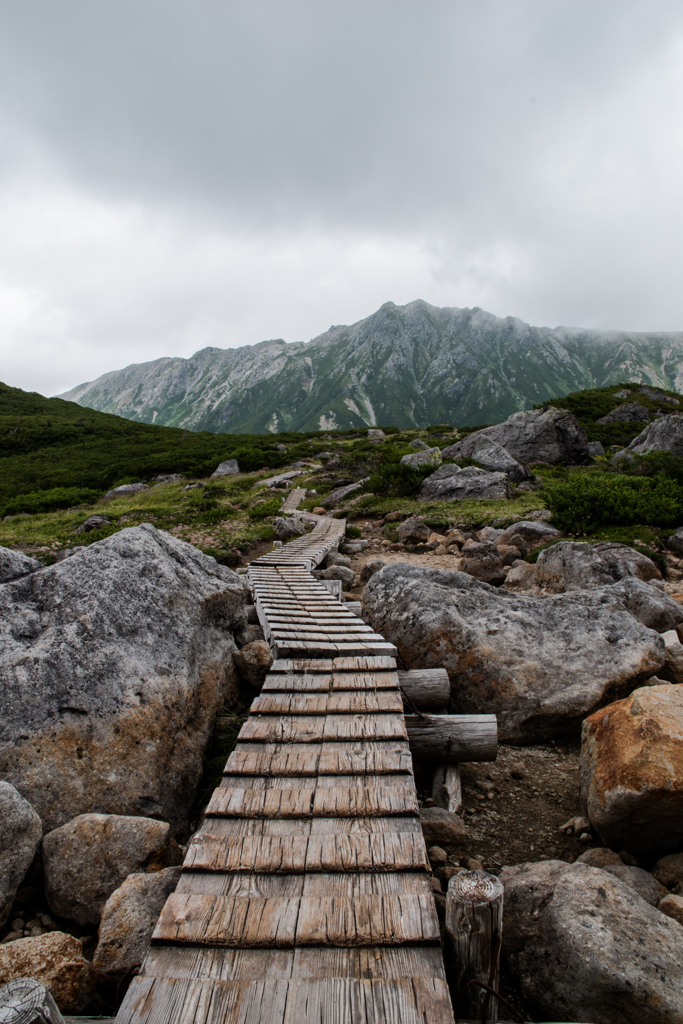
(129, 653)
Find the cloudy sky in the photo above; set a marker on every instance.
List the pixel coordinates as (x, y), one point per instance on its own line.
(183, 173)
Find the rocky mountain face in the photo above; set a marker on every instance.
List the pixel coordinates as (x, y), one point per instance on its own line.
(410, 365)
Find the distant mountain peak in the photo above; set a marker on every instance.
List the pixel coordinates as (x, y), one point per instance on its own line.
(408, 365)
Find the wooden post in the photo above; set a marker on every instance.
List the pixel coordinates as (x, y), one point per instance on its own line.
(447, 787)
(26, 1001)
(474, 928)
(427, 688)
(450, 739)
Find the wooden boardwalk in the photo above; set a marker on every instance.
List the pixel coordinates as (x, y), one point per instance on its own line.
(305, 897)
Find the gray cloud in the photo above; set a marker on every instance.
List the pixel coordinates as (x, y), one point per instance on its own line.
(181, 174)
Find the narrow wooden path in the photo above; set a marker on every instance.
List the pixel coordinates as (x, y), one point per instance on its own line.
(305, 897)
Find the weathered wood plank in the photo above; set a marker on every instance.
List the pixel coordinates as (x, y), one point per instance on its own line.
(376, 680)
(289, 704)
(239, 884)
(222, 964)
(366, 825)
(283, 922)
(247, 853)
(371, 962)
(376, 1001)
(351, 884)
(299, 729)
(357, 760)
(274, 759)
(368, 801)
(290, 682)
(383, 851)
(191, 1001)
(260, 803)
(349, 727)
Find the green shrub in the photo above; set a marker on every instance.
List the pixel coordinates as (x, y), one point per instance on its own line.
(353, 531)
(49, 501)
(397, 480)
(263, 509)
(584, 502)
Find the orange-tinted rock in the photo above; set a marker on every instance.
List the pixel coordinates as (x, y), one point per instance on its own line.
(632, 771)
(55, 960)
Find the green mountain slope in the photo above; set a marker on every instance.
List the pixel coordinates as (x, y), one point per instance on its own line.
(405, 365)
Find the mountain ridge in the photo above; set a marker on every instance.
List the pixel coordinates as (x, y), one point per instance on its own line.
(410, 365)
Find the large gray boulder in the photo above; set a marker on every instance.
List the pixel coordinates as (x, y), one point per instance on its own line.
(127, 922)
(662, 435)
(541, 664)
(451, 483)
(532, 531)
(229, 467)
(652, 607)
(584, 946)
(570, 566)
(85, 860)
(488, 453)
(113, 663)
(540, 435)
(287, 529)
(126, 490)
(332, 499)
(20, 833)
(424, 457)
(15, 564)
(629, 413)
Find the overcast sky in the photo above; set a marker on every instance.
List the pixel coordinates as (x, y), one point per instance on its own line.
(183, 173)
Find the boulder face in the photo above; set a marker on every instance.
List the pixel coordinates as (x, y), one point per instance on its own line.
(55, 960)
(541, 664)
(424, 457)
(128, 920)
(20, 834)
(540, 435)
(663, 435)
(450, 483)
(484, 561)
(652, 607)
(15, 564)
(586, 947)
(629, 413)
(227, 468)
(532, 531)
(489, 454)
(113, 664)
(631, 771)
(569, 566)
(287, 529)
(88, 858)
(126, 490)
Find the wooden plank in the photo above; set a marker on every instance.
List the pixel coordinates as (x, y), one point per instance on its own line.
(247, 853)
(351, 884)
(217, 826)
(383, 851)
(349, 727)
(365, 826)
(368, 1001)
(371, 962)
(354, 759)
(290, 704)
(366, 920)
(356, 702)
(282, 922)
(296, 729)
(239, 884)
(305, 683)
(192, 1001)
(260, 803)
(260, 922)
(273, 759)
(227, 964)
(366, 801)
(363, 680)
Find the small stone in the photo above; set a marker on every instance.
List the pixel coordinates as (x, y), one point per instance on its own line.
(319, 510)
(20, 834)
(672, 906)
(628, 858)
(669, 870)
(585, 838)
(437, 855)
(517, 770)
(599, 858)
(439, 825)
(450, 870)
(253, 662)
(472, 863)
(55, 960)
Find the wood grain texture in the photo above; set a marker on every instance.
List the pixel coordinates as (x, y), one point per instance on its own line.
(426, 688)
(450, 739)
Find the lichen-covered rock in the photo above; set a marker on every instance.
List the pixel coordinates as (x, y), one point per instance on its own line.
(424, 457)
(113, 663)
(450, 483)
(253, 662)
(569, 566)
(287, 529)
(126, 490)
(15, 564)
(333, 499)
(484, 562)
(541, 664)
(662, 435)
(414, 531)
(93, 523)
(339, 572)
(540, 435)
(227, 468)
(85, 860)
(652, 607)
(489, 454)
(532, 532)
(370, 568)
(440, 826)
(629, 413)
(128, 920)
(55, 960)
(20, 833)
(585, 947)
(631, 771)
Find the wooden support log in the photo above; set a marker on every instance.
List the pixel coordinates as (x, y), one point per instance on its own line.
(450, 739)
(474, 928)
(26, 1001)
(447, 787)
(426, 688)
